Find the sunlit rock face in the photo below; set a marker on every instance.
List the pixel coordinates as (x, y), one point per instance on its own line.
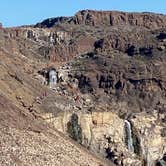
(98, 132)
(149, 132)
(105, 133)
(110, 95)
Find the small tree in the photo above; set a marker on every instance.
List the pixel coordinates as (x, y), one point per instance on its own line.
(74, 129)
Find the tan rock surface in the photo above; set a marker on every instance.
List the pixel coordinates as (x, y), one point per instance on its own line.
(26, 141)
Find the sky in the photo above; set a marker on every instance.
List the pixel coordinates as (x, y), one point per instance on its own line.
(25, 12)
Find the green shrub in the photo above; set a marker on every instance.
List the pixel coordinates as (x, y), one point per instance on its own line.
(74, 129)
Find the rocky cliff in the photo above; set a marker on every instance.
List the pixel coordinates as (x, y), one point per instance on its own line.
(109, 18)
(26, 140)
(104, 133)
(110, 94)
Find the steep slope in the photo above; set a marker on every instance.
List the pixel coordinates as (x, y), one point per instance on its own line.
(110, 93)
(25, 140)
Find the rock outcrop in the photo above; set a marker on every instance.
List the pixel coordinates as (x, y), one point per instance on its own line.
(27, 141)
(101, 135)
(110, 72)
(109, 18)
(114, 18)
(151, 143)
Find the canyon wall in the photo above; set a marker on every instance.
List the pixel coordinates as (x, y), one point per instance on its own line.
(104, 133)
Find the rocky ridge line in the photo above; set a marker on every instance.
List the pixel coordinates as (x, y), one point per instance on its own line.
(109, 18)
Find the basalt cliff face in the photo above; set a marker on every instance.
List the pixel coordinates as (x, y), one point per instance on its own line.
(108, 105)
(109, 18)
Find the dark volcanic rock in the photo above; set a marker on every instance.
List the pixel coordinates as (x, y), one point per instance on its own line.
(50, 22)
(114, 18)
(109, 18)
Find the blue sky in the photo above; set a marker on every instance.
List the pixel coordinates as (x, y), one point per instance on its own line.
(21, 12)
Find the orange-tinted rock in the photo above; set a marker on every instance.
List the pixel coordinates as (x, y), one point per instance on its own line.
(114, 18)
